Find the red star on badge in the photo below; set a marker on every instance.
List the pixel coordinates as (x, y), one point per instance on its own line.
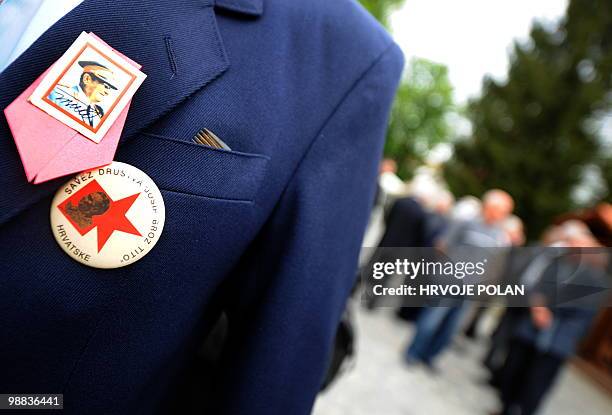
(92, 207)
(114, 220)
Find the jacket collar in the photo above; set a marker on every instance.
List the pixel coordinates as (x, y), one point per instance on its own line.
(248, 7)
(176, 42)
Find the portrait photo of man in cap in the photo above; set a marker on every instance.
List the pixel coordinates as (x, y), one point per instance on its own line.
(88, 88)
(89, 96)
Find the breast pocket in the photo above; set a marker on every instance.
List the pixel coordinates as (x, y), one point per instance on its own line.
(195, 169)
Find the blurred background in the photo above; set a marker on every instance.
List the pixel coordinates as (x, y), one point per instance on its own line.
(515, 96)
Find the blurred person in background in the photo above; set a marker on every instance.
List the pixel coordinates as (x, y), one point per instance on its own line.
(438, 204)
(406, 226)
(438, 215)
(437, 325)
(389, 187)
(515, 231)
(526, 267)
(466, 208)
(547, 335)
(485, 230)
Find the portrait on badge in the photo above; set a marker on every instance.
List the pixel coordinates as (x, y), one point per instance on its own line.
(88, 95)
(88, 87)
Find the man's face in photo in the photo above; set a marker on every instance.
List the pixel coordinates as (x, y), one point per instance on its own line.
(96, 81)
(95, 87)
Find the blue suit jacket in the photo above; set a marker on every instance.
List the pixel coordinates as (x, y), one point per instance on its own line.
(269, 232)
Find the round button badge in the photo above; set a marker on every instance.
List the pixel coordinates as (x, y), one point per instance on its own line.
(108, 217)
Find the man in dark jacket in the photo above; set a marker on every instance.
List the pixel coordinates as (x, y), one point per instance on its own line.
(268, 233)
(548, 335)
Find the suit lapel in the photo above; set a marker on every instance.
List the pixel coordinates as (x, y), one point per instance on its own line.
(176, 42)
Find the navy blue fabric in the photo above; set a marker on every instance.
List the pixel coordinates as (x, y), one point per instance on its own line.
(184, 166)
(270, 232)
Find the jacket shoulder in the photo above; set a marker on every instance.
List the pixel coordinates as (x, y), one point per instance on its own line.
(343, 29)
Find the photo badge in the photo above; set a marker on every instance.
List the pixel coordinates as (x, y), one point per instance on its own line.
(108, 217)
(88, 87)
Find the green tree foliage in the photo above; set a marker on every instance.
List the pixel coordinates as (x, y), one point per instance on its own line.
(533, 135)
(419, 115)
(382, 9)
(424, 99)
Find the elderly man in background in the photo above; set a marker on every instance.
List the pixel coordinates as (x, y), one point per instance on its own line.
(437, 325)
(546, 336)
(513, 261)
